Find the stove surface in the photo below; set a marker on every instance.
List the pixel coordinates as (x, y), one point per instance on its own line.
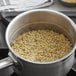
(4, 49)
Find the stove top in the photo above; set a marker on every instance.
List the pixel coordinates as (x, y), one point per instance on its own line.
(4, 49)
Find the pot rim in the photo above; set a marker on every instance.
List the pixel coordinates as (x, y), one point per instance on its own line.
(37, 10)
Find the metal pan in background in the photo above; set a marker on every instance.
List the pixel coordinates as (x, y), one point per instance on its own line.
(68, 4)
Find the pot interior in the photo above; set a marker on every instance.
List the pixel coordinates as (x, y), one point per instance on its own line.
(41, 20)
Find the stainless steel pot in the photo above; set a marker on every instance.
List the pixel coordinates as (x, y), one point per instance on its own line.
(33, 20)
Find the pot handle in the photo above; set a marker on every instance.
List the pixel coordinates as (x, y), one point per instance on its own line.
(6, 62)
